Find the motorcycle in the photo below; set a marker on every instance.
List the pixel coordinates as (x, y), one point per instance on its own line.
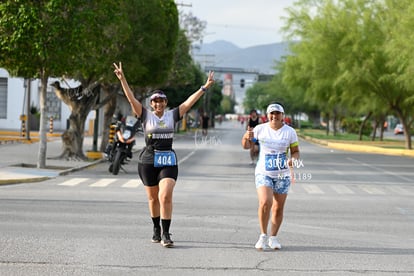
(122, 147)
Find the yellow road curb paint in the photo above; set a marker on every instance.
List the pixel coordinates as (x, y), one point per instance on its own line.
(94, 154)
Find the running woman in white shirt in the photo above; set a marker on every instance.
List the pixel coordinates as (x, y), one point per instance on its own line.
(272, 173)
(157, 163)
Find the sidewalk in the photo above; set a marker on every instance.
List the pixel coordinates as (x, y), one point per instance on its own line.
(18, 160)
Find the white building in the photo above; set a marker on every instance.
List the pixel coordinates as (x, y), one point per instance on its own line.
(232, 83)
(15, 99)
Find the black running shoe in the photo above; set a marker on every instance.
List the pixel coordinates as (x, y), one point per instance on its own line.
(157, 235)
(166, 240)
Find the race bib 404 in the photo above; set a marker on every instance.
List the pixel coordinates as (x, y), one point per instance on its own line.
(164, 159)
(276, 162)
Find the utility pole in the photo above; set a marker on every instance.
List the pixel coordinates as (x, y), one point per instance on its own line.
(183, 4)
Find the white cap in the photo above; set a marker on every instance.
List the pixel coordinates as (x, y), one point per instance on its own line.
(275, 107)
(158, 95)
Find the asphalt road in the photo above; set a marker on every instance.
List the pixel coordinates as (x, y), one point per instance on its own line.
(347, 214)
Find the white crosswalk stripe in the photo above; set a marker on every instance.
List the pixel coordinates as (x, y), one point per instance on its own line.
(341, 189)
(297, 188)
(399, 190)
(103, 182)
(312, 189)
(133, 183)
(73, 181)
(371, 190)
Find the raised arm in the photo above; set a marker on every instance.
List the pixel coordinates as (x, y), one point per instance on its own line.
(135, 104)
(247, 138)
(187, 104)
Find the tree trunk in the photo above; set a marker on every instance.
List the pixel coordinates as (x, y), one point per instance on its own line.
(382, 127)
(407, 135)
(374, 131)
(72, 138)
(41, 160)
(361, 127)
(334, 123)
(81, 102)
(404, 121)
(327, 124)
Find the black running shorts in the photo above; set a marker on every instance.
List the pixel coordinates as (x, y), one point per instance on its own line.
(151, 175)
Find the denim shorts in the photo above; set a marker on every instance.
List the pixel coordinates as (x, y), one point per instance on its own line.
(279, 185)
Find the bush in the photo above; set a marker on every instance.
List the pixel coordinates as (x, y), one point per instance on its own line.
(306, 124)
(352, 125)
(34, 111)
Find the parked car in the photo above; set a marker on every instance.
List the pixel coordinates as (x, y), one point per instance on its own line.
(399, 129)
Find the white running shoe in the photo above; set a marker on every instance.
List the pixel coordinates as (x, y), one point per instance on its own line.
(274, 243)
(261, 244)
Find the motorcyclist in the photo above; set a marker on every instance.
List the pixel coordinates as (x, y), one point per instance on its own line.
(129, 142)
(118, 122)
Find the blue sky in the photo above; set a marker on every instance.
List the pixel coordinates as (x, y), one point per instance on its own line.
(242, 22)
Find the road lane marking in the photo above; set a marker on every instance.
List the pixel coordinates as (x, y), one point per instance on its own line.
(73, 182)
(382, 170)
(103, 182)
(186, 157)
(371, 190)
(338, 172)
(341, 189)
(307, 187)
(400, 191)
(312, 189)
(133, 183)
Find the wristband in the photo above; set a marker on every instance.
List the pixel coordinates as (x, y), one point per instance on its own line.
(203, 88)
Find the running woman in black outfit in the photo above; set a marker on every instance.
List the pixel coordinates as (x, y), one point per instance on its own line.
(253, 121)
(157, 163)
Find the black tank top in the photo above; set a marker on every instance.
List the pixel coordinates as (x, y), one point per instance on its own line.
(252, 123)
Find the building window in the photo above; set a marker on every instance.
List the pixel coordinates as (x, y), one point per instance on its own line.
(3, 98)
(53, 104)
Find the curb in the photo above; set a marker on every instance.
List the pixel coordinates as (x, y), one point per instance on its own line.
(23, 180)
(74, 169)
(43, 178)
(371, 149)
(359, 148)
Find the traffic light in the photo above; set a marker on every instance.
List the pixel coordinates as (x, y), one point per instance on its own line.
(241, 83)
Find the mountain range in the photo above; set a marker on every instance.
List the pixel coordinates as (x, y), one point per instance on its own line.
(260, 58)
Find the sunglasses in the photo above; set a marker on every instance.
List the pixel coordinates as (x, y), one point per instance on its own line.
(275, 112)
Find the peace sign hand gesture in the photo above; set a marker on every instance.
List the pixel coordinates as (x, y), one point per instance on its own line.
(210, 80)
(118, 71)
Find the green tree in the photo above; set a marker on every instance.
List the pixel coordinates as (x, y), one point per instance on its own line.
(258, 96)
(341, 59)
(193, 27)
(80, 40)
(227, 104)
(39, 39)
(314, 64)
(148, 53)
(400, 48)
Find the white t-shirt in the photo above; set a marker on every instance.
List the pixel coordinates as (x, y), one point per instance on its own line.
(274, 149)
